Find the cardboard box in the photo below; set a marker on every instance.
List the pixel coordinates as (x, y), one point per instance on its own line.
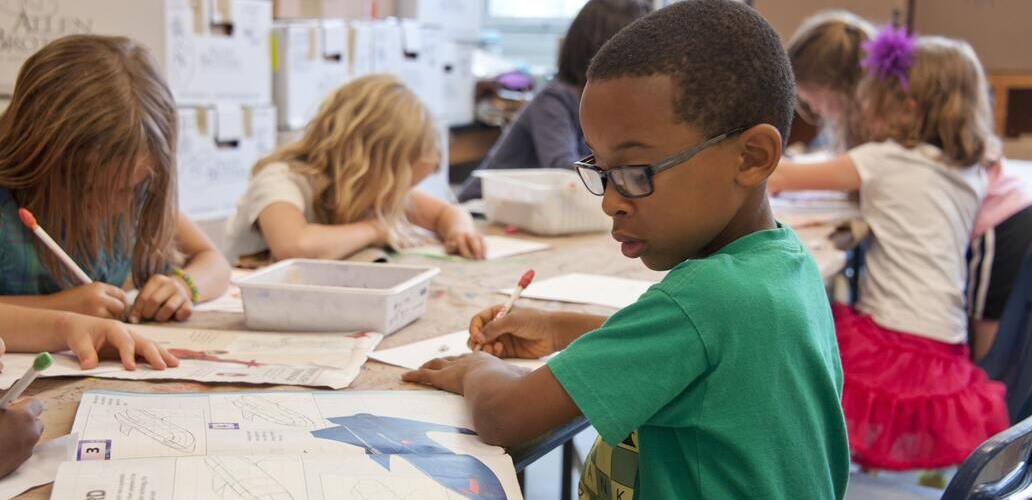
(997, 29)
(209, 50)
(332, 9)
(218, 147)
(786, 17)
(460, 19)
(457, 94)
(387, 47)
(361, 43)
(421, 68)
(311, 61)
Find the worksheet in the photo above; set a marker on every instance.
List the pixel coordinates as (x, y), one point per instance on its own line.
(587, 289)
(382, 444)
(308, 359)
(413, 355)
(498, 247)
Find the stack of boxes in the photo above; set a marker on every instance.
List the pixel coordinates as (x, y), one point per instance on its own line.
(227, 63)
(319, 45)
(215, 57)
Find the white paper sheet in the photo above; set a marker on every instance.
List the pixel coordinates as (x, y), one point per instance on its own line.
(808, 208)
(278, 478)
(587, 289)
(41, 468)
(311, 359)
(498, 247)
(282, 445)
(413, 355)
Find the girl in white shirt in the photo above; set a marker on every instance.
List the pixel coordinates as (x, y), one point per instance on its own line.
(912, 398)
(348, 183)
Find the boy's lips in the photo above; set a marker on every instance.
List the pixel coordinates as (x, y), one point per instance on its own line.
(630, 246)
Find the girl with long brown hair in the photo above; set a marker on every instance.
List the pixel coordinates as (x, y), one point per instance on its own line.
(88, 145)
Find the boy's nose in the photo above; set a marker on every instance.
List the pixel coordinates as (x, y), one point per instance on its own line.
(615, 205)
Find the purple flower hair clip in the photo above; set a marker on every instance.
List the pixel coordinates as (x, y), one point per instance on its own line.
(890, 54)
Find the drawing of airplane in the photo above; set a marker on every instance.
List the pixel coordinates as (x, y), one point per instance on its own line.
(385, 436)
(271, 411)
(156, 428)
(245, 478)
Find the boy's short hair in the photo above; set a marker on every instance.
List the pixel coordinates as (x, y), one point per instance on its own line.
(727, 64)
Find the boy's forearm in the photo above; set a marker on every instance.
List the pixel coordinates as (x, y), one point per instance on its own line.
(498, 392)
(571, 326)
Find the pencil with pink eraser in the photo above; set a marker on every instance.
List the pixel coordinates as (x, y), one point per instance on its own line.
(516, 292)
(30, 222)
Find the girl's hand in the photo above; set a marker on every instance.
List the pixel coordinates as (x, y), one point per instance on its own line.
(96, 299)
(91, 338)
(523, 333)
(161, 299)
(466, 242)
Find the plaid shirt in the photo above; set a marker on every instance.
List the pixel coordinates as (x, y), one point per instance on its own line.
(21, 272)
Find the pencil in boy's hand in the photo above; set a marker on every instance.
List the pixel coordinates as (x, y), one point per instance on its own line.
(30, 222)
(42, 362)
(523, 284)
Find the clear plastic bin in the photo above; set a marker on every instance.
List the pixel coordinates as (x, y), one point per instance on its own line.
(323, 295)
(546, 201)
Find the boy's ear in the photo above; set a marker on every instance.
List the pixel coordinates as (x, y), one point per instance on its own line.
(760, 154)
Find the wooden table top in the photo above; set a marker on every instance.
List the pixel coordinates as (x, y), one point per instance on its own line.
(462, 289)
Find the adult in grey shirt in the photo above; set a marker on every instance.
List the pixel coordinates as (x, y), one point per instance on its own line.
(547, 132)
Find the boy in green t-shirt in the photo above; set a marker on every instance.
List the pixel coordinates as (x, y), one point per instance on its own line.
(723, 380)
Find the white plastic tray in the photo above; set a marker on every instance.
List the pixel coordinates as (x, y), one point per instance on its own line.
(547, 201)
(324, 295)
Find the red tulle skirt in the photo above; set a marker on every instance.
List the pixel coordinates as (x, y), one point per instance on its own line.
(912, 402)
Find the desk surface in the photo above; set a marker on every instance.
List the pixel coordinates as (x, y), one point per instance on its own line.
(462, 289)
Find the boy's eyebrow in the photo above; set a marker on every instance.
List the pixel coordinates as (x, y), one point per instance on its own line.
(623, 145)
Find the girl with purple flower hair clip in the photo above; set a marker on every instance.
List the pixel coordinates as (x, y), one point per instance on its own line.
(912, 397)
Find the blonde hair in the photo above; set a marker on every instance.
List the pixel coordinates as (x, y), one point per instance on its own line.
(825, 53)
(86, 111)
(359, 151)
(946, 103)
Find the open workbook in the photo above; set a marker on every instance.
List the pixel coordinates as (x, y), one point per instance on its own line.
(281, 446)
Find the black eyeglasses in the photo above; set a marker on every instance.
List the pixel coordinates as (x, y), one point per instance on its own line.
(635, 181)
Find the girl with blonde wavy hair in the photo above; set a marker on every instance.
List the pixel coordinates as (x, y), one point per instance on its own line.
(88, 145)
(348, 183)
(912, 397)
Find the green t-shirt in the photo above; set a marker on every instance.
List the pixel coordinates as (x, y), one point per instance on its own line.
(729, 372)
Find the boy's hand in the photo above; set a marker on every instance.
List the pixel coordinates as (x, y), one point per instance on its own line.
(523, 333)
(161, 299)
(96, 299)
(448, 373)
(20, 429)
(92, 338)
(466, 242)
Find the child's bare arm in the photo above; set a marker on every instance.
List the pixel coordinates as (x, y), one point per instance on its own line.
(205, 264)
(453, 225)
(837, 174)
(498, 395)
(289, 235)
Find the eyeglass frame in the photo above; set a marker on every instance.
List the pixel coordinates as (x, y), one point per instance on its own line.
(650, 170)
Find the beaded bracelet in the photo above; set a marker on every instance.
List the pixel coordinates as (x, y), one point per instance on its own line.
(195, 293)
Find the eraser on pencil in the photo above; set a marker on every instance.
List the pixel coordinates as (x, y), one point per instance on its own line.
(527, 278)
(27, 218)
(42, 361)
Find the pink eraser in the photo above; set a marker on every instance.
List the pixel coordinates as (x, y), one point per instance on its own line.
(526, 279)
(27, 218)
